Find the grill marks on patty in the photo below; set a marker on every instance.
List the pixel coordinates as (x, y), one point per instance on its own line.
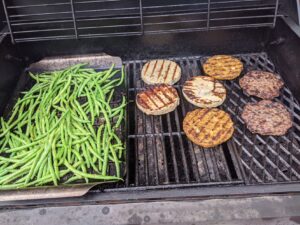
(157, 100)
(153, 69)
(161, 72)
(267, 118)
(261, 84)
(208, 127)
(223, 67)
(204, 91)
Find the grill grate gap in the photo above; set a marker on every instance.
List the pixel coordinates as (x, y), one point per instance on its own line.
(229, 161)
(170, 165)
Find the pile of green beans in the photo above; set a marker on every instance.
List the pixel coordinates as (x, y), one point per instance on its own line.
(63, 130)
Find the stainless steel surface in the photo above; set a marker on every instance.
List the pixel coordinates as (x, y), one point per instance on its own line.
(99, 61)
(264, 210)
(45, 192)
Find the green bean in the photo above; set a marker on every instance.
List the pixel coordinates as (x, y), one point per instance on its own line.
(22, 147)
(81, 163)
(83, 86)
(14, 175)
(54, 178)
(116, 161)
(122, 76)
(120, 118)
(54, 159)
(92, 176)
(9, 160)
(12, 125)
(75, 178)
(50, 129)
(43, 157)
(105, 139)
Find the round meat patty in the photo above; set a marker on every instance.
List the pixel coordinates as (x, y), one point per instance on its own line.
(204, 92)
(157, 100)
(208, 127)
(223, 67)
(161, 72)
(261, 84)
(267, 118)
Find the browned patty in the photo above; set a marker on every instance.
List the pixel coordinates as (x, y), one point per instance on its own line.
(208, 127)
(223, 67)
(161, 72)
(261, 84)
(267, 118)
(204, 91)
(157, 100)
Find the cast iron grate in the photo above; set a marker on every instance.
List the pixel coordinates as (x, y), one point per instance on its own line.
(265, 159)
(159, 154)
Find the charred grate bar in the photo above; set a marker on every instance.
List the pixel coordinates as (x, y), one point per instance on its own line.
(161, 155)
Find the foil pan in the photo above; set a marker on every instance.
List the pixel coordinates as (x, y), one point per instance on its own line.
(97, 61)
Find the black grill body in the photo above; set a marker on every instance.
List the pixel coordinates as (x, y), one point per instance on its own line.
(162, 163)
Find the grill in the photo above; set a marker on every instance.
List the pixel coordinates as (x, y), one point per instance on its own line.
(161, 162)
(163, 155)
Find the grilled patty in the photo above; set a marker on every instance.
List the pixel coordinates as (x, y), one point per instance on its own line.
(223, 67)
(267, 118)
(157, 100)
(261, 84)
(208, 127)
(204, 92)
(161, 72)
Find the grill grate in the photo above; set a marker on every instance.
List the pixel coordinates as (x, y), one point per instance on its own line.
(266, 159)
(160, 154)
(75, 19)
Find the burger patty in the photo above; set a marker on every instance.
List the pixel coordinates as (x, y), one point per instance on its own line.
(161, 72)
(267, 118)
(261, 84)
(223, 67)
(157, 100)
(208, 127)
(204, 91)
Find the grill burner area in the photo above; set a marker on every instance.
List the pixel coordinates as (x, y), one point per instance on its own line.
(160, 155)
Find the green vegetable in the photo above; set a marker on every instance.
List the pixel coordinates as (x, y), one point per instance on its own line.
(62, 130)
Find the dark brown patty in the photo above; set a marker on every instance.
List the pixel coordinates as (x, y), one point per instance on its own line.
(267, 118)
(261, 84)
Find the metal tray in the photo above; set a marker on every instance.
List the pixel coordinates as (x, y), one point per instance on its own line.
(96, 61)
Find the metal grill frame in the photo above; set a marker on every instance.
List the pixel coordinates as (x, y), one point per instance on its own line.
(127, 192)
(137, 18)
(279, 164)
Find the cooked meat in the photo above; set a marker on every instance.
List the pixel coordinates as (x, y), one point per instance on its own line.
(261, 84)
(157, 100)
(208, 127)
(223, 67)
(161, 72)
(267, 118)
(204, 92)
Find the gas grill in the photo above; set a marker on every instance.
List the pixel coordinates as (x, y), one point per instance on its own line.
(161, 162)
